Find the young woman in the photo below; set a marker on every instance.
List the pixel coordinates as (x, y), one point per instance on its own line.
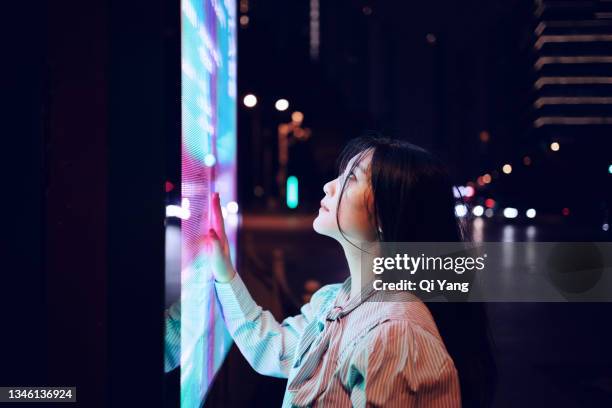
(342, 350)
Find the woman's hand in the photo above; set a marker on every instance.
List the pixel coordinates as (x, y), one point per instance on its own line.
(217, 245)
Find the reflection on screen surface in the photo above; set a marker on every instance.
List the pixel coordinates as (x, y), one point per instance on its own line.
(208, 100)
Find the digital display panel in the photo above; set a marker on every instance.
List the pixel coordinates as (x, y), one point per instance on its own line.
(208, 163)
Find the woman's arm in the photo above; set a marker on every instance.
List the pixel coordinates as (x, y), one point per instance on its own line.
(268, 346)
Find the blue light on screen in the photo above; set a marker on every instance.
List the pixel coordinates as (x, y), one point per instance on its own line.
(208, 103)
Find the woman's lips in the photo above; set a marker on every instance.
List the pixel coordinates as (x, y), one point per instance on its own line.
(324, 207)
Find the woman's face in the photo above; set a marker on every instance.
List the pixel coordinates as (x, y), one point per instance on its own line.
(356, 206)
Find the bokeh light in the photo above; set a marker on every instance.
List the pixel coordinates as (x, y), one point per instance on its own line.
(510, 212)
(297, 117)
(282, 105)
(250, 100)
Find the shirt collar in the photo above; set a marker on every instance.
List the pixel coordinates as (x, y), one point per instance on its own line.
(344, 304)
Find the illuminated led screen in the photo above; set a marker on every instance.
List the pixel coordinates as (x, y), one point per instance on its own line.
(208, 100)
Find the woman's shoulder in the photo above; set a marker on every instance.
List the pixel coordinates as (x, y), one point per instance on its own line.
(412, 314)
(411, 332)
(404, 339)
(406, 326)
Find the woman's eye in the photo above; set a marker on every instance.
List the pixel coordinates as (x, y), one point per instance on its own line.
(351, 175)
(346, 178)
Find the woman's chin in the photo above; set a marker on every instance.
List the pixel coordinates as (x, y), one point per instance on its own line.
(315, 224)
(318, 225)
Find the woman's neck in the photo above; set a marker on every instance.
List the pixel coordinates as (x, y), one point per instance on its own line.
(353, 258)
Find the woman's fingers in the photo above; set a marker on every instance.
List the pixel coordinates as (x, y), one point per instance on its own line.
(216, 245)
(215, 248)
(222, 267)
(217, 220)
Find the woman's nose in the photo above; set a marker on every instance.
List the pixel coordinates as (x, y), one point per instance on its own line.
(327, 187)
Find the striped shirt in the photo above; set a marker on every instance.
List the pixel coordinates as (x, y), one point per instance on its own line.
(342, 352)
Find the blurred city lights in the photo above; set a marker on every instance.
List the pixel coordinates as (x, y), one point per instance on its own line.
(510, 212)
(209, 160)
(463, 191)
(554, 146)
(605, 227)
(486, 178)
(484, 136)
(507, 169)
(461, 210)
(610, 169)
(250, 100)
(302, 134)
(489, 212)
(181, 211)
(283, 128)
(244, 21)
(531, 232)
(282, 105)
(489, 203)
(478, 230)
(531, 213)
(469, 191)
(178, 212)
(565, 211)
(232, 220)
(508, 233)
(526, 160)
(478, 210)
(244, 6)
(456, 192)
(232, 207)
(314, 27)
(297, 117)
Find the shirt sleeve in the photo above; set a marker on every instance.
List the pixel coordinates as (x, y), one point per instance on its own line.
(396, 365)
(172, 338)
(268, 346)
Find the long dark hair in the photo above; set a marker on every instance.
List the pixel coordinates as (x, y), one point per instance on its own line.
(414, 202)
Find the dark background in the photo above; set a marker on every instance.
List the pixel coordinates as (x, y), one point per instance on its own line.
(438, 74)
(88, 88)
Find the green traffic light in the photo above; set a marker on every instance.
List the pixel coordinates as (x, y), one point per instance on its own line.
(292, 192)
